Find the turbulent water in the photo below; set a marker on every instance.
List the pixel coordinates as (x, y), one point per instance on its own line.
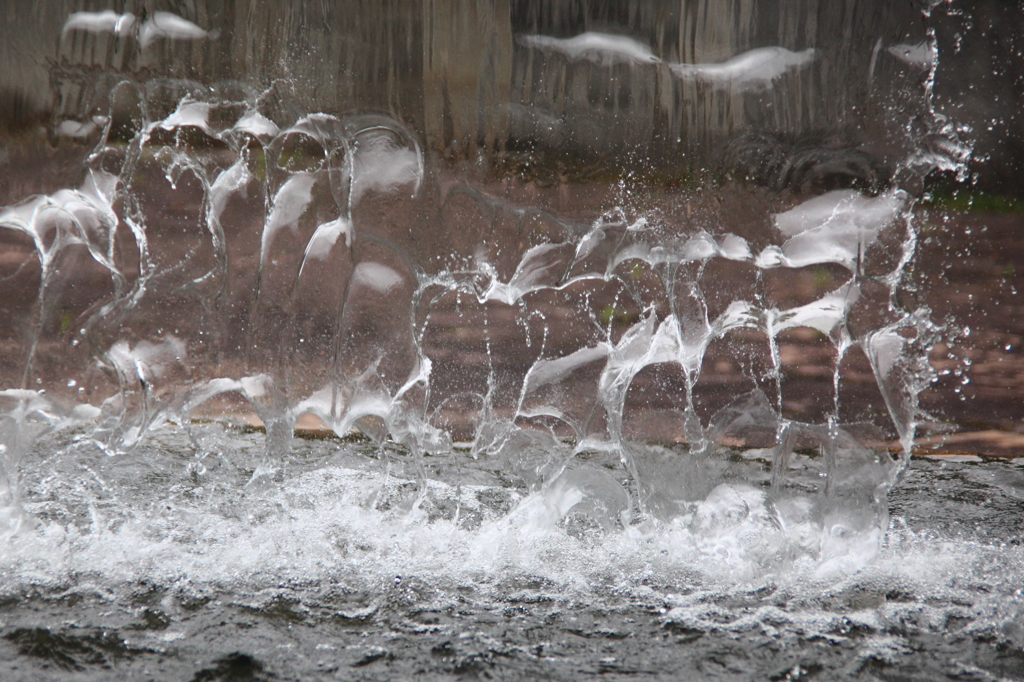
(348, 308)
(140, 568)
(573, 396)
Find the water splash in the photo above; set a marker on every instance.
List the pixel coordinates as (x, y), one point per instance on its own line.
(224, 257)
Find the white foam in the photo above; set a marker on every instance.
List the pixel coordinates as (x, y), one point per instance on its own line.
(106, 21)
(603, 48)
(752, 70)
(170, 26)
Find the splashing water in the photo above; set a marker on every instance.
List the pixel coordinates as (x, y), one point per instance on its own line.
(344, 306)
(590, 388)
(385, 295)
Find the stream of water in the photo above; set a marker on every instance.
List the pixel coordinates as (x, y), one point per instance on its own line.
(608, 362)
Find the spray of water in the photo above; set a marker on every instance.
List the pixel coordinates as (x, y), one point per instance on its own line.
(237, 260)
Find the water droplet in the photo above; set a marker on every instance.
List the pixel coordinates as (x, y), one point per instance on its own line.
(72, 383)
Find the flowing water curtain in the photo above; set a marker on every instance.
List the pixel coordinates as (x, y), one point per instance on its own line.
(700, 83)
(235, 244)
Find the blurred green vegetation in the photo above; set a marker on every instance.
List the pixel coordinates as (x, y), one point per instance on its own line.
(965, 200)
(616, 316)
